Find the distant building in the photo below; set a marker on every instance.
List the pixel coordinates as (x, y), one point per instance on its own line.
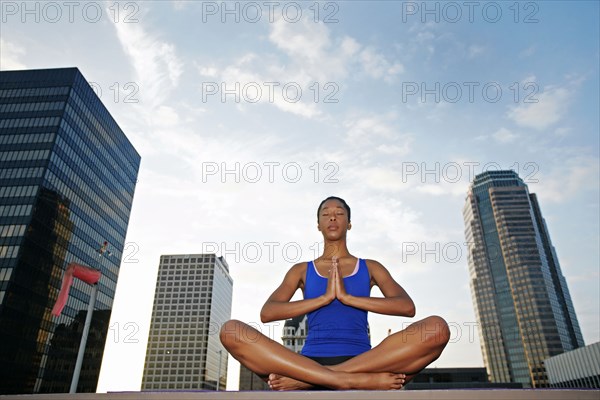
(67, 179)
(250, 381)
(578, 368)
(456, 378)
(192, 301)
(294, 333)
(66, 339)
(293, 337)
(521, 300)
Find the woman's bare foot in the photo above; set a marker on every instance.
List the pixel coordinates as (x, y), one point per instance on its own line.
(278, 382)
(348, 381)
(373, 381)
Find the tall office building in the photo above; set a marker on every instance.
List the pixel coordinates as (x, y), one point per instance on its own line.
(67, 178)
(520, 295)
(191, 302)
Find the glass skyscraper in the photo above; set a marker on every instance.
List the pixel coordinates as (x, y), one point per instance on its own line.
(67, 179)
(522, 303)
(191, 302)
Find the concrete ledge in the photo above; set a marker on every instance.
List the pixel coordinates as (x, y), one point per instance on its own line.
(473, 394)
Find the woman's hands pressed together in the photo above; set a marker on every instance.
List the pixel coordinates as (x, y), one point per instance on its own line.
(335, 283)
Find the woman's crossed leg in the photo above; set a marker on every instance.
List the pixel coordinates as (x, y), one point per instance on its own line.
(385, 367)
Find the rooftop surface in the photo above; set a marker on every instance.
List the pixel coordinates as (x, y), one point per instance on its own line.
(474, 394)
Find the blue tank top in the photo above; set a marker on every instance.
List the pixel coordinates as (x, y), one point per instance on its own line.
(337, 329)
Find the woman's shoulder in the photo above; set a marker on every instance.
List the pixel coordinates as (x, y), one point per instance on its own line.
(300, 265)
(298, 269)
(375, 268)
(297, 273)
(373, 263)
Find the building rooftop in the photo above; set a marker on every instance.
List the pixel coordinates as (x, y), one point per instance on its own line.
(294, 322)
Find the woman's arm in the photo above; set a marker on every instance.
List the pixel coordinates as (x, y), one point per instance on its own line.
(395, 302)
(279, 306)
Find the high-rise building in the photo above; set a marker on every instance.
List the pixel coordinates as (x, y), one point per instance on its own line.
(521, 300)
(192, 301)
(67, 179)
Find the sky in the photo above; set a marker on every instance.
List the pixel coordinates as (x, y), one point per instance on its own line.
(248, 114)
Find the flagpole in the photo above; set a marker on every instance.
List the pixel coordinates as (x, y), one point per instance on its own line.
(84, 336)
(86, 326)
(219, 378)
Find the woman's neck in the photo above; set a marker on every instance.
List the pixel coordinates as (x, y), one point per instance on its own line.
(336, 249)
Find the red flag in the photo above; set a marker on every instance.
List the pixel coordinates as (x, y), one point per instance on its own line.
(86, 274)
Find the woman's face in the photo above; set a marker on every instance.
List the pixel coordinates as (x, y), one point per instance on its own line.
(333, 220)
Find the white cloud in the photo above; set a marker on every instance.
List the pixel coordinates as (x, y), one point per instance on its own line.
(310, 50)
(379, 178)
(166, 116)
(444, 188)
(396, 149)
(572, 177)
(549, 107)
(504, 135)
(349, 46)
(528, 51)
(179, 4)
(365, 127)
(435, 190)
(562, 131)
(423, 33)
(381, 218)
(10, 55)
(156, 65)
(376, 65)
(475, 50)
(304, 39)
(375, 135)
(309, 57)
(275, 88)
(210, 72)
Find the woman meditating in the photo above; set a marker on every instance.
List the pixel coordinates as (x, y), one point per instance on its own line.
(337, 353)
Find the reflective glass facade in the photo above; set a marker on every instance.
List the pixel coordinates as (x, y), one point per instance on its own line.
(521, 300)
(67, 179)
(191, 302)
